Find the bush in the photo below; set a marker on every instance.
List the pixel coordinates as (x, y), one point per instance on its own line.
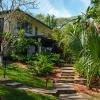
(13, 67)
(88, 68)
(80, 66)
(52, 57)
(19, 57)
(41, 65)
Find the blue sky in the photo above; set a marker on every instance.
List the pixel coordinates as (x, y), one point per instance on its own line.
(62, 8)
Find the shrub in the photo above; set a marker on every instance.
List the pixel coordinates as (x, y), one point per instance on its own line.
(88, 68)
(40, 65)
(80, 66)
(52, 57)
(13, 67)
(19, 57)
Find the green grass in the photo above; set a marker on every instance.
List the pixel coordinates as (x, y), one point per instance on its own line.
(14, 94)
(23, 76)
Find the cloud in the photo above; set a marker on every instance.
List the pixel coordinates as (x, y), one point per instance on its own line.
(47, 8)
(59, 13)
(86, 2)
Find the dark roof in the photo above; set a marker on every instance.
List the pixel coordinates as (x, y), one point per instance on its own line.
(8, 11)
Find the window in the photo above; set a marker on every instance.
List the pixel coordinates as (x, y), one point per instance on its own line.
(36, 30)
(1, 24)
(26, 26)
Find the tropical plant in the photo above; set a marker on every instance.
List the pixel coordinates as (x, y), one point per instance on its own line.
(93, 10)
(51, 21)
(41, 17)
(41, 65)
(86, 50)
(62, 38)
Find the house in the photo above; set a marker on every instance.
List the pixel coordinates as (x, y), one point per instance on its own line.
(12, 21)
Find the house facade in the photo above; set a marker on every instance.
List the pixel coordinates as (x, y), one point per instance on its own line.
(13, 21)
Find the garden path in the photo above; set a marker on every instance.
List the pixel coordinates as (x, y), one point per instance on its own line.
(17, 85)
(64, 85)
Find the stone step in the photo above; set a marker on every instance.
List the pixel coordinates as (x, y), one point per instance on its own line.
(52, 92)
(14, 84)
(4, 81)
(76, 81)
(80, 81)
(68, 65)
(67, 77)
(66, 90)
(67, 73)
(65, 81)
(62, 85)
(72, 99)
(67, 68)
(75, 96)
(38, 90)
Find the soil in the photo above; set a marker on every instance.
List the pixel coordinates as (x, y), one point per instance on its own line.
(85, 89)
(21, 65)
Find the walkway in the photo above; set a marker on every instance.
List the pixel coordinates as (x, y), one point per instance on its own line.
(17, 85)
(64, 85)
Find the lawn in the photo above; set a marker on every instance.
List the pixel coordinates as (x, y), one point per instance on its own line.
(14, 94)
(23, 76)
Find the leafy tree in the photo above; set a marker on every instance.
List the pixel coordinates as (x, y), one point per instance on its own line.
(94, 13)
(41, 17)
(51, 21)
(61, 36)
(20, 46)
(60, 21)
(93, 10)
(10, 6)
(15, 45)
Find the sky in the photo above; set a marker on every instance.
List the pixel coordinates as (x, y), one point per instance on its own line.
(62, 8)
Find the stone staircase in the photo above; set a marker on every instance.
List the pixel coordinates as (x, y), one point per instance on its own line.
(64, 84)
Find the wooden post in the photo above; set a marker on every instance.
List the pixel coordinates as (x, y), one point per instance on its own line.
(39, 46)
(47, 79)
